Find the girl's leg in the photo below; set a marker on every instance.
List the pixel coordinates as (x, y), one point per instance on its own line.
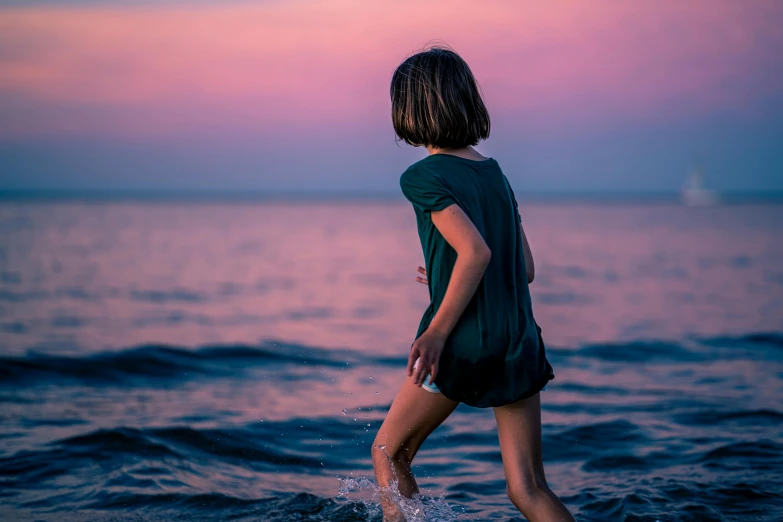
(413, 415)
(519, 431)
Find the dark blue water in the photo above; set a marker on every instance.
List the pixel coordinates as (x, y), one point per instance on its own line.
(199, 361)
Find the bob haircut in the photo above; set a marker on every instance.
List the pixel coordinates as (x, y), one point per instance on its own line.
(437, 102)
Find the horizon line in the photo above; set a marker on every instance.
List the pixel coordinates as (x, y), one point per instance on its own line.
(259, 196)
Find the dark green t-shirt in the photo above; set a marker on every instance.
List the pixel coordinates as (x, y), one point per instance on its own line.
(495, 355)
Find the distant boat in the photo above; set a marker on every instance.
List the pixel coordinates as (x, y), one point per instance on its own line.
(693, 192)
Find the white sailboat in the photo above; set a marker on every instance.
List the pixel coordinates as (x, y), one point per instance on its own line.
(693, 192)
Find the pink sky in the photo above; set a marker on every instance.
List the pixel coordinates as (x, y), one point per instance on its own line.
(274, 95)
(163, 71)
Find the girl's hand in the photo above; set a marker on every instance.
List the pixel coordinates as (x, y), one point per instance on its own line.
(427, 348)
(423, 271)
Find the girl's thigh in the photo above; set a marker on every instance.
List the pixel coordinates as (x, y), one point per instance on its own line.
(413, 415)
(519, 433)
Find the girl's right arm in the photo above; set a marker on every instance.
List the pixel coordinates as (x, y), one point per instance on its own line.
(473, 256)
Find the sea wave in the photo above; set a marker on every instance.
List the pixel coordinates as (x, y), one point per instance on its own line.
(158, 362)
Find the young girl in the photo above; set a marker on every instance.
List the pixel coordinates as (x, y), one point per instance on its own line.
(477, 341)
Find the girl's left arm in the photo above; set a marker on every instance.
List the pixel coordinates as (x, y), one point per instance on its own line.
(472, 259)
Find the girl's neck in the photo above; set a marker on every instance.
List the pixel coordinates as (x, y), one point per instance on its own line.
(465, 152)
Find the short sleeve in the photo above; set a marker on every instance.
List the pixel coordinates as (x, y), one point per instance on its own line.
(425, 191)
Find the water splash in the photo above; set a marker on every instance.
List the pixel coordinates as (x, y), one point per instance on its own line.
(419, 508)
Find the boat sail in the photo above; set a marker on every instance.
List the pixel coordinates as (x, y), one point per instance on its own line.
(693, 192)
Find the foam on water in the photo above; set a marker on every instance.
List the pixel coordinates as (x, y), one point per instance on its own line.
(418, 508)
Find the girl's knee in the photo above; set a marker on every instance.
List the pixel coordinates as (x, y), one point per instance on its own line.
(378, 453)
(387, 452)
(526, 491)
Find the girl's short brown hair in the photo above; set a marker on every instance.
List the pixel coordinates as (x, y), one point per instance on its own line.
(437, 102)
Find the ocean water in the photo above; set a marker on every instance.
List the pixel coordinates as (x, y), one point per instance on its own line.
(233, 361)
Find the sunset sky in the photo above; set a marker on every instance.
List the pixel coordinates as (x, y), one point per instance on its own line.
(586, 96)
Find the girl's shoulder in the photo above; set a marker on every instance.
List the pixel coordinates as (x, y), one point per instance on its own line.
(423, 165)
(420, 172)
(425, 187)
